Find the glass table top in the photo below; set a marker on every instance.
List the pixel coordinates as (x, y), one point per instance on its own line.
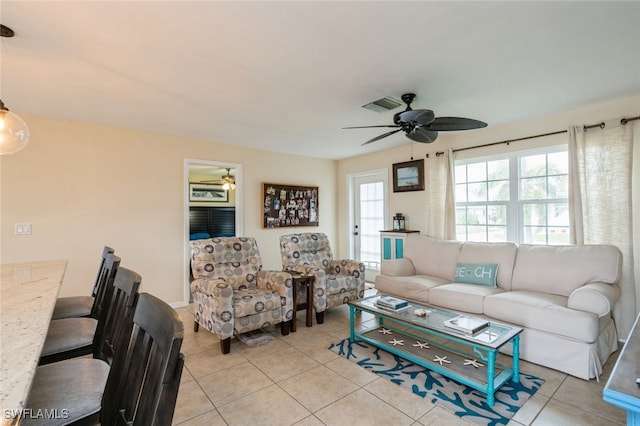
(494, 336)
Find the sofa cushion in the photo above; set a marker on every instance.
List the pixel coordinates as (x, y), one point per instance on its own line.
(543, 312)
(414, 287)
(562, 269)
(504, 254)
(432, 256)
(476, 273)
(462, 297)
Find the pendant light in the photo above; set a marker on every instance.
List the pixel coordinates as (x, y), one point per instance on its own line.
(14, 133)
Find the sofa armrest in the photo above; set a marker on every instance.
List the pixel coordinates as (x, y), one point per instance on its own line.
(278, 281)
(397, 268)
(598, 298)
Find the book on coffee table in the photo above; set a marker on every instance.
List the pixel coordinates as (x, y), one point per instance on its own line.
(391, 302)
(386, 308)
(467, 324)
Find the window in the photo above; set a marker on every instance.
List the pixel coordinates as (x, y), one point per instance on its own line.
(371, 222)
(520, 197)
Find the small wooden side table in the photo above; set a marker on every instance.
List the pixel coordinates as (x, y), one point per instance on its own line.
(305, 280)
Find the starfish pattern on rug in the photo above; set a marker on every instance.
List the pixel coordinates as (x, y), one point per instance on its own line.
(384, 331)
(396, 342)
(421, 345)
(473, 362)
(441, 359)
(432, 386)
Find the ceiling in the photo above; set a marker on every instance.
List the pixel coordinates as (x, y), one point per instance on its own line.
(207, 173)
(287, 76)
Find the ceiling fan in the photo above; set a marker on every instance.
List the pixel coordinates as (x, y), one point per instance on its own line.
(228, 181)
(421, 125)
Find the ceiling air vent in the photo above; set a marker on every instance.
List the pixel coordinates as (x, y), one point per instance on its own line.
(383, 104)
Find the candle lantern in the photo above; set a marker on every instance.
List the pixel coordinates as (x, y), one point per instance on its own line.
(398, 222)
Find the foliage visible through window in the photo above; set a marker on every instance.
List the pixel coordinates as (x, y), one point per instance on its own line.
(518, 197)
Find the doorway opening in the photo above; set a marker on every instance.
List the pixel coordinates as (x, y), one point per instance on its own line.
(368, 212)
(212, 206)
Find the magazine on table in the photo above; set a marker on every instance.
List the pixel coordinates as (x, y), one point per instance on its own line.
(467, 324)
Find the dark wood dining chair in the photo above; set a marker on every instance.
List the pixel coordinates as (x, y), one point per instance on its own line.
(73, 337)
(140, 388)
(82, 306)
(118, 320)
(146, 390)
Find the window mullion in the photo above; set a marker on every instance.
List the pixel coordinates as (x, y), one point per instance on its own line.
(515, 208)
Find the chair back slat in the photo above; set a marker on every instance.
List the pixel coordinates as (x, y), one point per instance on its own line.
(105, 252)
(118, 319)
(143, 386)
(104, 284)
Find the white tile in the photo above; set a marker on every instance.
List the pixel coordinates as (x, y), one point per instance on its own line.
(269, 406)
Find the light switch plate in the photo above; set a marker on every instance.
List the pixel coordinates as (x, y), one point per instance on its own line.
(23, 229)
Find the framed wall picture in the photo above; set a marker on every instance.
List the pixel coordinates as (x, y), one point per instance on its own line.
(204, 192)
(289, 205)
(408, 176)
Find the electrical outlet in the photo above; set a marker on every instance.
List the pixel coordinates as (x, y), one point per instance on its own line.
(23, 229)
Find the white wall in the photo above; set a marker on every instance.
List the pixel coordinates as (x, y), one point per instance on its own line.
(83, 186)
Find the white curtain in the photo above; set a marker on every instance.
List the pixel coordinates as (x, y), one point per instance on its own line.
(600, 201)
(441, 220)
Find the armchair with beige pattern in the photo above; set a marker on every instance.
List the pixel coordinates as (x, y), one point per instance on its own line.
(336, 281)
(232, 294)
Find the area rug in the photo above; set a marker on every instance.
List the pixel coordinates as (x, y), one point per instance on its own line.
(461, 400)
(255, 338)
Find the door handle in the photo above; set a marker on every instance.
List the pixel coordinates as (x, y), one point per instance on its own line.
(355, 233)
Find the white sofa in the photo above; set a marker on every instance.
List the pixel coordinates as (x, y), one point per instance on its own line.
(562, 296)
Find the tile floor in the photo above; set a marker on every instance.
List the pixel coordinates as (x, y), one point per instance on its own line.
(296, 380)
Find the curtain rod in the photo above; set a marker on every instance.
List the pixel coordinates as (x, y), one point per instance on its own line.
(600, 125)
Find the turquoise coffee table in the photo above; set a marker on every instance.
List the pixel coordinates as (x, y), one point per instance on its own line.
(467, 359)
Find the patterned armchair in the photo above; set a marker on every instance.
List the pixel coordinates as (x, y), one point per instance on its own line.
(336, 281)
(231, 292)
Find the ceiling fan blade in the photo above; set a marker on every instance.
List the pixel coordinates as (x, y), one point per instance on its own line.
(421, 134)
(447, 124)
(417, 116)
(367, 127)
(384, 135)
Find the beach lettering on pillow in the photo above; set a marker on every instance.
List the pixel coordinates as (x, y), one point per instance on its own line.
(476, 273)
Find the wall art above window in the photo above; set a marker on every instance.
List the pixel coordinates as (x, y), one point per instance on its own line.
(289, 205)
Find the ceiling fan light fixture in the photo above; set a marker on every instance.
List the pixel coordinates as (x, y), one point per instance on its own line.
(229, 181)
(14, 133)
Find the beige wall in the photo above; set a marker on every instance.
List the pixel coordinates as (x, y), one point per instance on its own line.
(83, 186)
